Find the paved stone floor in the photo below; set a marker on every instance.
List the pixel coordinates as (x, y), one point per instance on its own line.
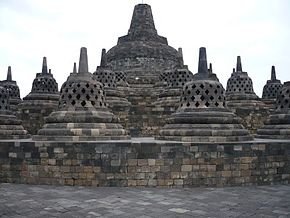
(61, 201)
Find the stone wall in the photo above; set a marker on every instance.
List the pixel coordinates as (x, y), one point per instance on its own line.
(145, 163)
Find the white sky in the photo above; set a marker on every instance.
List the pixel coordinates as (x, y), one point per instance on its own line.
(258, 30)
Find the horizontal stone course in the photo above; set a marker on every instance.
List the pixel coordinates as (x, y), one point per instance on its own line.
(145, 163)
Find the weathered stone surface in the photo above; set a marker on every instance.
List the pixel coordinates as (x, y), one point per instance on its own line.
(40, 102)
(202, 116)
(82, 113)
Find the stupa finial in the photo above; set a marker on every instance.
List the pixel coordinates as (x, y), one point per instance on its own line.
(9, 74)
(83, 63)
(273, 73)
(75, 68)
(49, 71)
(202, 62)
(210, 68)
(103, 58)
(239, 64)
(44, 65)
(180, 57)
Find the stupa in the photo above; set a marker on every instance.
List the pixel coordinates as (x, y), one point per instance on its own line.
(175, 80)
(142, 55)
(10, 126)
(240, 92)
(14, 92)
(202, 115)
(242, 100)
(41, 101)
(277, 126)
(116, 100)
(271, 90)
(82, 113)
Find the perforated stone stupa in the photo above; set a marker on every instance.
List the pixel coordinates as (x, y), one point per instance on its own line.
(271, 89)
(240, 92)
(13, 89)
(202, 115)
(10, 126)
(82, 113)
(277, 126)
(175, 80)
(116, 99)
(41, 101)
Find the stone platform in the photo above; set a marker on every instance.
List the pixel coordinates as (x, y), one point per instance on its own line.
(145, 162)
(55, 201)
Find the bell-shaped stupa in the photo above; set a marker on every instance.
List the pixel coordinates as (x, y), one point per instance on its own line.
(13, 89)
(240, 92)
(175, 80)
(277, 126)
(82, 113)
(271, 89)
(202, 115)
(10, 126)
(41, 101)
(115, 98)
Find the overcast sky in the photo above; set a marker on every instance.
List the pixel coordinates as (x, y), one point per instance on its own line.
(258, 30)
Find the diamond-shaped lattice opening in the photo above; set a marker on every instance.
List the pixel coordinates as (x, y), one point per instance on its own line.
(202, 97)
(66, 90)
(193, 86)
(62, 97)
(224, 104)
(93, 103)
(206, 104)
(216, 104)
(206, 92)
(83, 103)
(73, 102)
(197, 92)
(92, 91)
(192, 98)
(196, 104)
(78, 85)
(87, 85)
(186, 87)
(87, 97)
(78, 96)
(69, 96)
(74, 90)
(188, 104)
(220, 98)
(211, 97)
(101, 104)
(201, 86)
(83, 90)
(96, 97)
(215, 91)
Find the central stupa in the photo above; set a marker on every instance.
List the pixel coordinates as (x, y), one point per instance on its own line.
(142, 54)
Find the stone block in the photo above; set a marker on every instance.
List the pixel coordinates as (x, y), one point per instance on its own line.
(186, 168)
(142, 162)
(132, 162)
(151, 162)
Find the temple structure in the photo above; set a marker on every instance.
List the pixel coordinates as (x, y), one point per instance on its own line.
(10, 126)
(202, 115)
(271, 90)
(277, 126)
(82, 114)
(242, 100)
(13, 89)
(40, 102)
(142, 55)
